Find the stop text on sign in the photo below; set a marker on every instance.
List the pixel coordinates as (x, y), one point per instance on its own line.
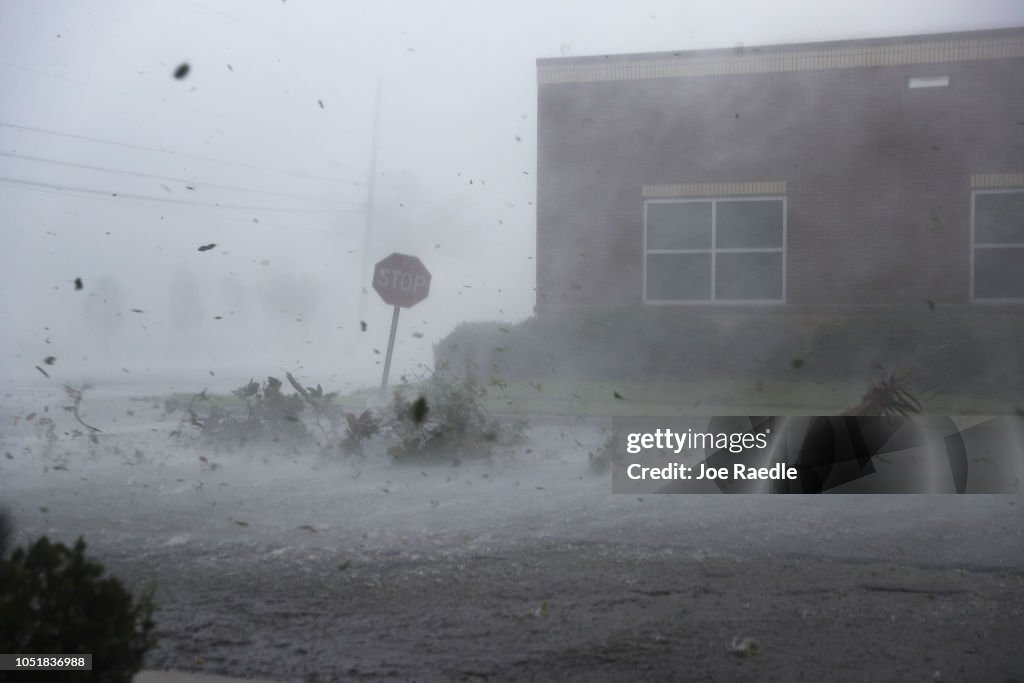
(405, 282)
(401, 280)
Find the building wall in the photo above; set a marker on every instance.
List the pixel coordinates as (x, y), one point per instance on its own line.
(877, 176)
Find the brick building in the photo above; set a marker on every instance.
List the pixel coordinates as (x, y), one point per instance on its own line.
(795, 177)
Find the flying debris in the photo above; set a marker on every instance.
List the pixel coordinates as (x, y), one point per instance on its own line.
(182, 71)
(931, 305)
(207, 247)
(137, 310)
(887, 398)
(362, 324)
(42, 371)
(321, 103)
(50, 360)
(618, 396)
(78, 283)
(230, 68)
(796, 363)
(419, 410)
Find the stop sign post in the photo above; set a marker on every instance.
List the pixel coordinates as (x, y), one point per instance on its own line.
(402, 281)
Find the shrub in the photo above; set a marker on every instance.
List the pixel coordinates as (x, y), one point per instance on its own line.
(956, 347)
(358, 430)
(53, 600)
(949, 348)
(604, 344)
(446, 419)
(266, 413)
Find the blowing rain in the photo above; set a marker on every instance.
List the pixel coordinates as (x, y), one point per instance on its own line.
(511, 341)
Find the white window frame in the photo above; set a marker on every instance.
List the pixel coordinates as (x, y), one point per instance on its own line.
(992, 245)
(714, 250)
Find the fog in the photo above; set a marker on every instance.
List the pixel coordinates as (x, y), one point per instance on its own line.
(115, 172)
(195, 193)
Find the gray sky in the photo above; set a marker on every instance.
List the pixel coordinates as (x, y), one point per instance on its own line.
(241, 153)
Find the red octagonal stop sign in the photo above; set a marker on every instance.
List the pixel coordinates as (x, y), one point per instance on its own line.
(401, 280)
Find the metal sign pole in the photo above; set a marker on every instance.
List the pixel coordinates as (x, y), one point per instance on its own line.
(391, 348)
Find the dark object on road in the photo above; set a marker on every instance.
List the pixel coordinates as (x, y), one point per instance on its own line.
(78, 283)
(182, 71)
(888, 398)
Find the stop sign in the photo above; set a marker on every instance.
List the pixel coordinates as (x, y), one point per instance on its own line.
(401, 280)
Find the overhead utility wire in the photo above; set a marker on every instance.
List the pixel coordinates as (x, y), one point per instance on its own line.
(137, 174)
(299, 174)
(161, 103)
(165, 200)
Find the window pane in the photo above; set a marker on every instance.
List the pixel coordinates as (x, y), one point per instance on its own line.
(999, 218)
(999, 273)
(748, 225)
(679, 225)
(679, 277)
(748, 277)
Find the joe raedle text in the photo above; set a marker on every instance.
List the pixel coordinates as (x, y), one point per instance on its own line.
(678, 471)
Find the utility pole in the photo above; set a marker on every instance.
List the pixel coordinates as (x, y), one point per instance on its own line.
(370, 185)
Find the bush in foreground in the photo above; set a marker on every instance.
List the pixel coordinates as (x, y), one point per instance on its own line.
(53, 600)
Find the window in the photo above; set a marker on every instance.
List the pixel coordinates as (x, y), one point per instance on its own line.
(997, 228)
(715, 250)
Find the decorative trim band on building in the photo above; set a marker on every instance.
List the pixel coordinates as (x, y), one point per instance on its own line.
(985, 180)
(765, 187)
(772, 60)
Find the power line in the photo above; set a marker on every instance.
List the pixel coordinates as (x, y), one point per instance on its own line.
(163, 104)
(164, 200)
(157, 177)
(128, 145)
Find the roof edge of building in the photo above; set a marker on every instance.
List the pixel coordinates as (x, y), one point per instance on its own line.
(915, 49)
